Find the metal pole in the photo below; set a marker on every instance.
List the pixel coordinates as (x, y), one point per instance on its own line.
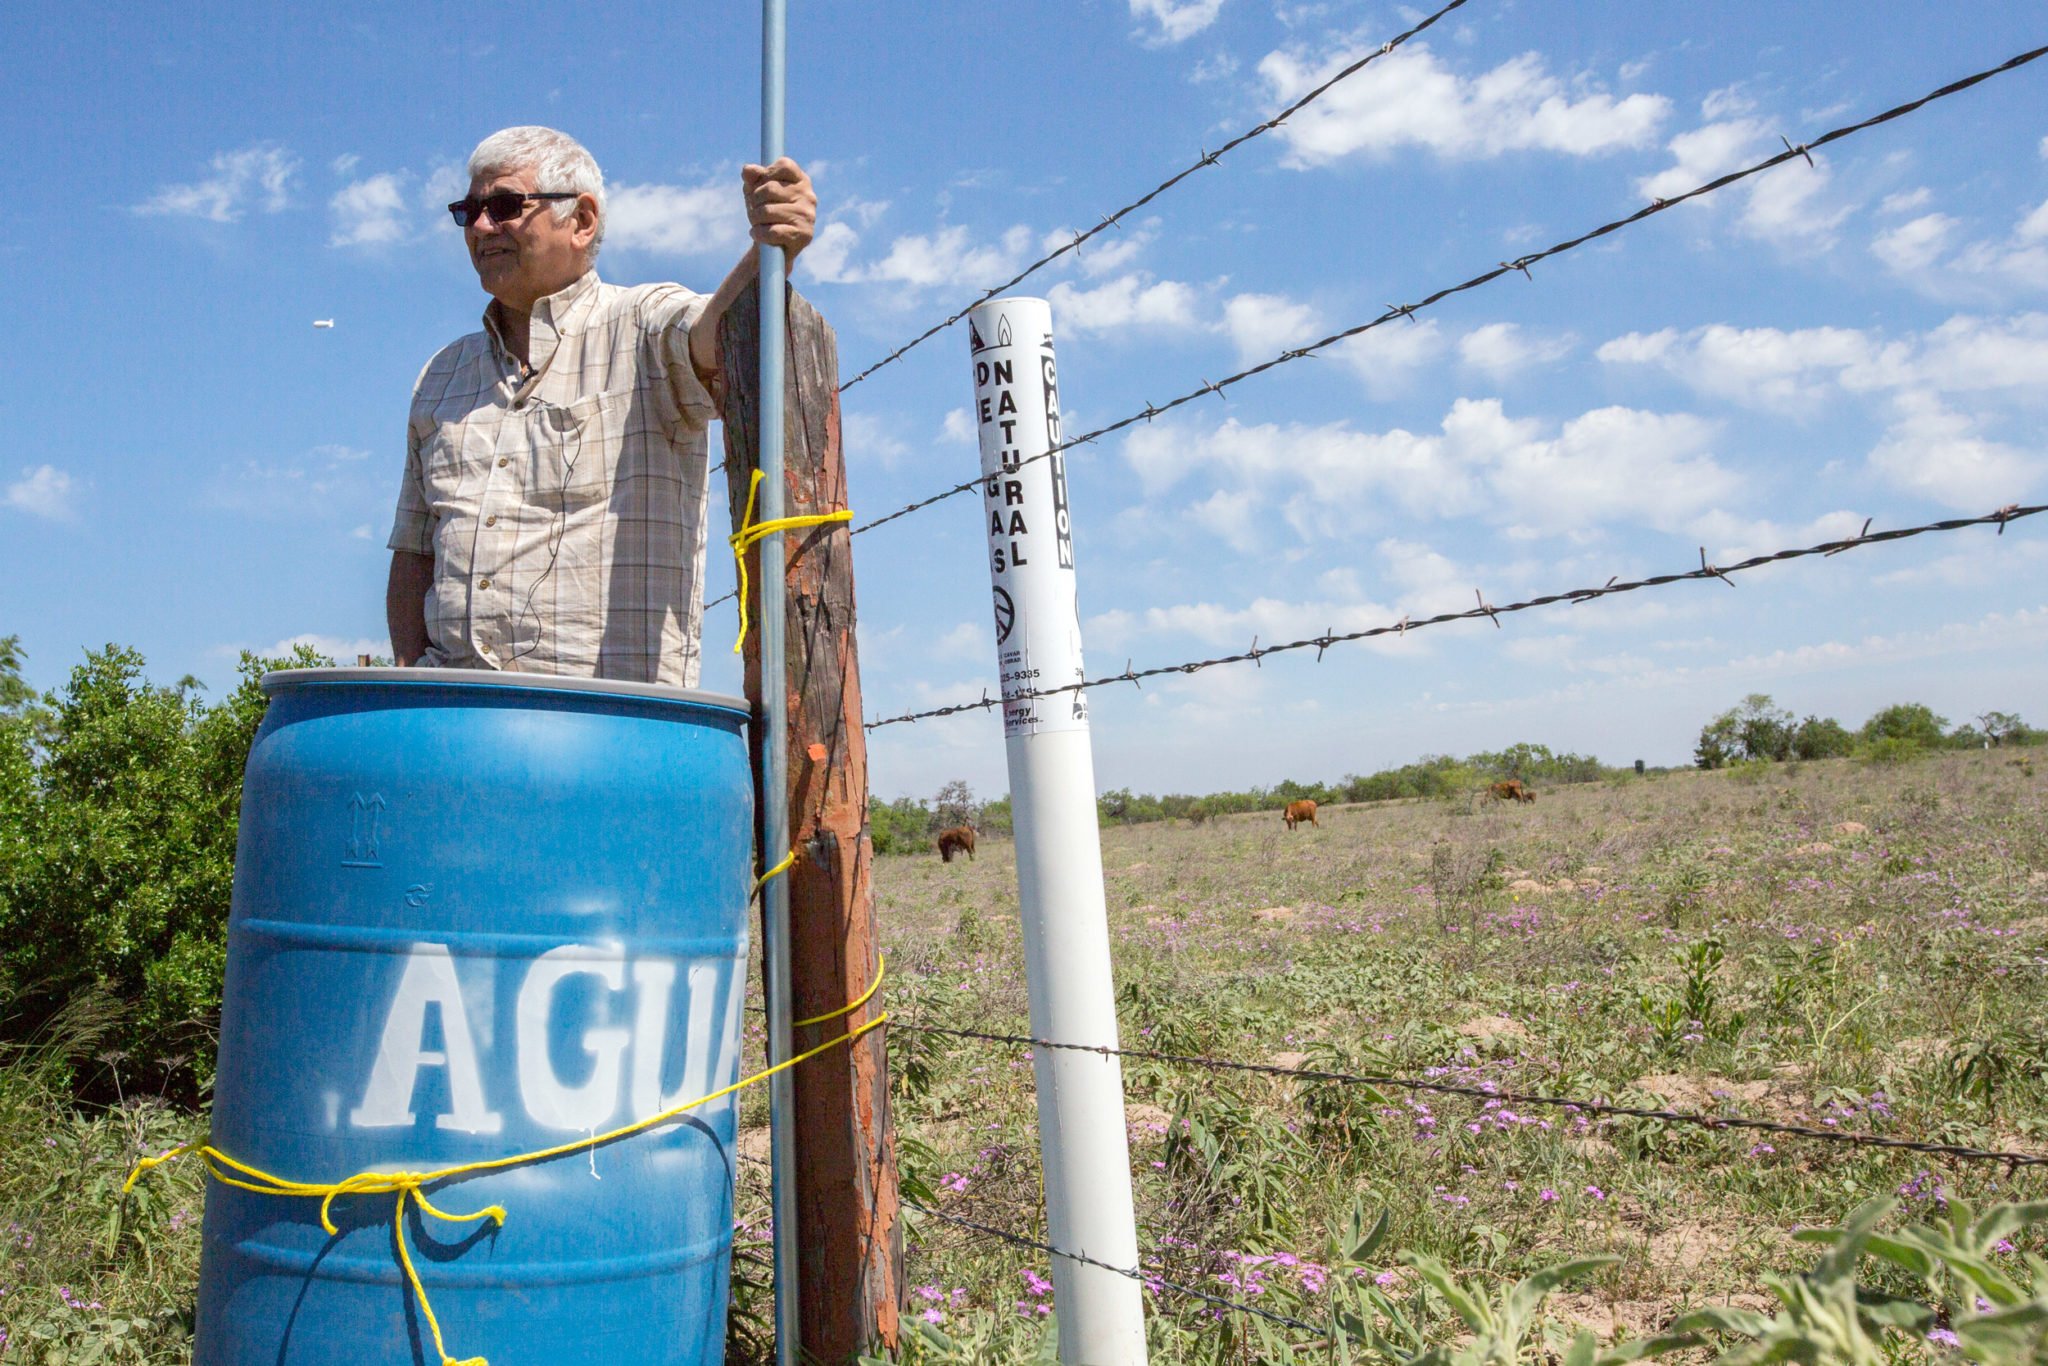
(775, 694)
(1084, 1148)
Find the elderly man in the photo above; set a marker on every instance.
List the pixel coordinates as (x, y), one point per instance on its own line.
(552, 514)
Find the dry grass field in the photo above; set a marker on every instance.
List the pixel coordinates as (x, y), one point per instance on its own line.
(1862, 948)
(1858, 947)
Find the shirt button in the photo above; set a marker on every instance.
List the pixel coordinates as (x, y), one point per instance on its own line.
(483, 583)
(491, 520)
(503, 461)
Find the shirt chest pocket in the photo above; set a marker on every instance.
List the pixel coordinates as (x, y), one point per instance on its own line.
(576, 447)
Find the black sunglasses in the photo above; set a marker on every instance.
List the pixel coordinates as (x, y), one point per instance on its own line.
(504, 206)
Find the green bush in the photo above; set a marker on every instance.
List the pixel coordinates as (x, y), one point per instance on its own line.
(117, 846)
(1889, 749)
(1912, 722)
(903, 826)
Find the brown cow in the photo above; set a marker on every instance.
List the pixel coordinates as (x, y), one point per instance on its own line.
(1511, 790)
(1297, 812)
(958, 840)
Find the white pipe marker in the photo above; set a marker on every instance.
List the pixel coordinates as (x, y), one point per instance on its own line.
(1082, 1140)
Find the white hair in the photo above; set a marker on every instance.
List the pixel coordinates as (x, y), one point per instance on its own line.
(559, 163)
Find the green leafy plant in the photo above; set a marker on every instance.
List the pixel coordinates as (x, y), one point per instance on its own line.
(1997, 1315)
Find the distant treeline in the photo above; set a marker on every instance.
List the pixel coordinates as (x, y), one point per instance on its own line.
(910, 824)
(1759, 731)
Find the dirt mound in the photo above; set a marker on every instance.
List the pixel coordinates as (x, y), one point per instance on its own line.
(1705, 1093)
(1279, 913)
(1143, 1118)
(1852, 828)
(1494, 1027)
(1818, 847)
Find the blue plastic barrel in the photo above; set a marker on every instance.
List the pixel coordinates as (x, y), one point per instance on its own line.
(479, 914)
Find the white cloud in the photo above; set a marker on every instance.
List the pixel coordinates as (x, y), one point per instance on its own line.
(1108, 251)
(1931, 448)
(1615, 464)
(948, 257)
(326, 483)
(1916, 245)
(1430, 581)
(2015, 559)
(341, 649)
(970, 640)
(1729, 538)
(1261, 326)
(261, 175)
(1933, 452)
(370, 212)
(1789, 371)
(1503, 349)
(1700, 154)
(676, 220)
(1174, 21)
(1994, 630)
(1905, 201)
(1388, 357)
(868, 439)
(959, 426)
(825, 259)
(344, 164)
(42, 491)
(1927, 254)
(1410, 98)
(1273, 621)
(1129, 302)
(1611, 464)
(447, 182)
(1729, 101)
(1789, 203)
(2034, 226)
(1761, 366)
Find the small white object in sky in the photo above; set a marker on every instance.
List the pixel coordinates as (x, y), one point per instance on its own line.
(323, 322)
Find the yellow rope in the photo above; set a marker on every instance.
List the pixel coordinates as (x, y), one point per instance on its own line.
(751, 531)
(410, 1185)
(788, 862)
(873, 987)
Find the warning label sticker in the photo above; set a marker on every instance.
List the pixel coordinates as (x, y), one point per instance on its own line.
(1030, 528)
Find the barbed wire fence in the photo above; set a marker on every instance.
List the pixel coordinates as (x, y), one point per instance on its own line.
(1520, 265)
(1394, 312)
(1493, 1095)
(1112, 220)
(2012, 1161)
(1483, 609)
(1595, 1106)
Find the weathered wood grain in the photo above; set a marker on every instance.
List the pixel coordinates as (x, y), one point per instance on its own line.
(851, 1263)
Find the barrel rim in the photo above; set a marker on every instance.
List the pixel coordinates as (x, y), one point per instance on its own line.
(276, 680)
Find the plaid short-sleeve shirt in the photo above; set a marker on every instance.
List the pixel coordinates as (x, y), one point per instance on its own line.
(564, 504)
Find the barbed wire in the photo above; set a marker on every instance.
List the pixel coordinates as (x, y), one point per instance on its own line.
(1520, 265)
(2011, 1160)
(1145, 1278)
(1113, 220)
(1256, 653)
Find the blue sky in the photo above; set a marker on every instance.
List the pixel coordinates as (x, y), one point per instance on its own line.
(191, 468)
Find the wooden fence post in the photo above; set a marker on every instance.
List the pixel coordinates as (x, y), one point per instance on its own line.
(850, 1266)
